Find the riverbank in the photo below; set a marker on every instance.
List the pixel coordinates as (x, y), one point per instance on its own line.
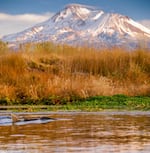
(61, 77)
(99, 103)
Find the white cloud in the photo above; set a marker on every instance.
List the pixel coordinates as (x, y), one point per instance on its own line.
(15, 23)
(146, 23)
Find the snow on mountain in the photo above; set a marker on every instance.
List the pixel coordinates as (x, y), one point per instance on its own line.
(84, 25)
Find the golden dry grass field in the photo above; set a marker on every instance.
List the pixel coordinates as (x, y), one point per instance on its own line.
(44, 70)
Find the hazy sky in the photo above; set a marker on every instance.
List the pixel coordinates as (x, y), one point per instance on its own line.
(17, 15)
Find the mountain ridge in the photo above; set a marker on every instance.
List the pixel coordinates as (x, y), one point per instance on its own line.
(80, 24)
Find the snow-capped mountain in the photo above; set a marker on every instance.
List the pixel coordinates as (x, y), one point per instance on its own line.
(84, 25)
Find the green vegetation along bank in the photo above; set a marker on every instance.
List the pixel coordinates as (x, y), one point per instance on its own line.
(99, 103)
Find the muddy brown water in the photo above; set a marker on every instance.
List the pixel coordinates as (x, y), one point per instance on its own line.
(80, 132)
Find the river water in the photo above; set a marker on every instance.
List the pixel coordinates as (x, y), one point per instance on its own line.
(80, 132)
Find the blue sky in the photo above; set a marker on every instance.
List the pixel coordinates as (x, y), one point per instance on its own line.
(16, 15)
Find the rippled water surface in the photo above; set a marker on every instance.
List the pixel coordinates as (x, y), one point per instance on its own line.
(80, 132)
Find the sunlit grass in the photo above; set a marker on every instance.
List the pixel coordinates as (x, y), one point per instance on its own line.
(58, 73)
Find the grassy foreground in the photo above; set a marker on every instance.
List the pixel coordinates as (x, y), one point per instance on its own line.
(64, 76)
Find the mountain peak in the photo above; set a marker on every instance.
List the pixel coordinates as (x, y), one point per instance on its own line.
(76, 11)
(80, 8)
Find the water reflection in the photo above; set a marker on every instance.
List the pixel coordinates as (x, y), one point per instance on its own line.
(81, 132)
